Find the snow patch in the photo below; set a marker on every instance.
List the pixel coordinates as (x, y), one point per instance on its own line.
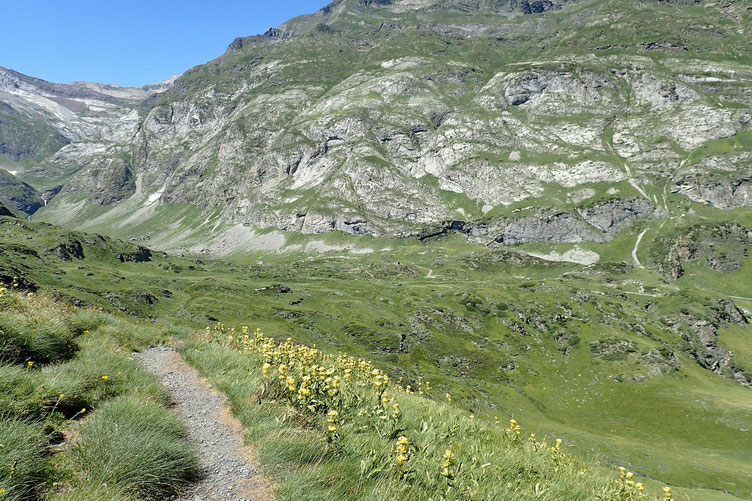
(574, 255)
(156, 195)
(322, 247)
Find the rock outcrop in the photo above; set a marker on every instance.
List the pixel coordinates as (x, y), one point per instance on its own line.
(391, 118)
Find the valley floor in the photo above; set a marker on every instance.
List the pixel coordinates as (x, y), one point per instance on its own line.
(628, 366)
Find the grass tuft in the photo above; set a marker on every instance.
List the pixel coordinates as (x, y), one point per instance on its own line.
(134, 446)
(23, 469)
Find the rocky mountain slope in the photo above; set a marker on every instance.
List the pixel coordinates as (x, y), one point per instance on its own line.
(524, 121)
(47, 129)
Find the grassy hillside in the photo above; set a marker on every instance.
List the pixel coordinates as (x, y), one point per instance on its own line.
(18, 194)
(335, 427)
(628, 366)
(79, 419)
(84, 422)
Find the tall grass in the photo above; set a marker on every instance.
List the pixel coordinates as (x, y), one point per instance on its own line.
(67, 372)
(33, 329)
(22, 459)
(132, 446)
(331, 428)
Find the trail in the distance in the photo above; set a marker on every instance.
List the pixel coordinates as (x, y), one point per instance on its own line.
(636, 246)
(228, 472)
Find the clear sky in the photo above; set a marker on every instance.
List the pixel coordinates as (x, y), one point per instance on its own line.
(131, 42)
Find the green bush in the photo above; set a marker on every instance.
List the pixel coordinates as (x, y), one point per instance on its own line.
(82, 380)
(21, 395)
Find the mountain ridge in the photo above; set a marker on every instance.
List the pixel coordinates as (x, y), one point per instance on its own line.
(373, 119)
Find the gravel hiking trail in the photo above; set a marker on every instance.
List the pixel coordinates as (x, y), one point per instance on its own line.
(228, 469)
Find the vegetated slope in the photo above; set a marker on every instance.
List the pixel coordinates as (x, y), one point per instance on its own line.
(79, 419)
(49, 130)
(645, 368)
(335, 427)
(393, 118)
(18, 194)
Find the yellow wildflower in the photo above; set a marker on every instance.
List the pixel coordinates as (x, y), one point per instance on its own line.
(448, 458)
(332, 423)
(105, 378)
(402, 445)
(514, 426)
(447, 464)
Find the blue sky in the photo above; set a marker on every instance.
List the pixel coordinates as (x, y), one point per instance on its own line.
(131, 42)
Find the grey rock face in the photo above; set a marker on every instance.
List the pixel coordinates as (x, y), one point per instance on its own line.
(718, 191)
(703, 340)
(391, 118)
(598, 224)
(616, 215)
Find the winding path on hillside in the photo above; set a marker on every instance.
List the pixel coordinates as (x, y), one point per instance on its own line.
(636, 246)
(229, 471)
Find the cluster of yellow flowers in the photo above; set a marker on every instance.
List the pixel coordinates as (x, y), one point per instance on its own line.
(446, 467)
(514, 428)
(338, 388)
(313, 381)
(667, 494)
(3, 290)
(401, 450)
(332, 429)
(629, 485)
(334, 386)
